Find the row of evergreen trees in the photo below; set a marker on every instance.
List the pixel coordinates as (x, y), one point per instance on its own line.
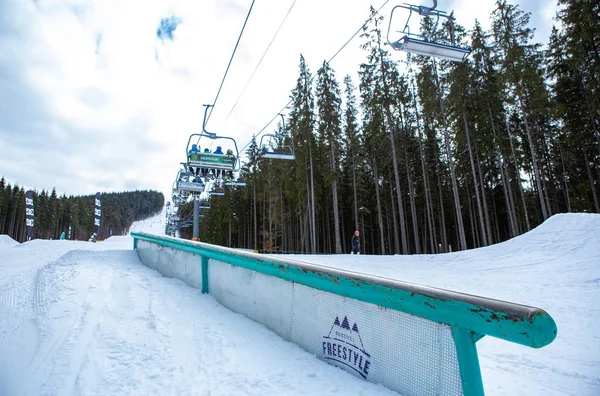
(53, 214)
(431, 156)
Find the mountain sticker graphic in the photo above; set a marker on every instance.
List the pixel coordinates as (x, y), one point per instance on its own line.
(343, 347)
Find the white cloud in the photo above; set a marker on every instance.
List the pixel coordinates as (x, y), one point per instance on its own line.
(85, 105)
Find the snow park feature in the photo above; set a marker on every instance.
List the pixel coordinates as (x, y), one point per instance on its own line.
(421, 340)
(83, 318)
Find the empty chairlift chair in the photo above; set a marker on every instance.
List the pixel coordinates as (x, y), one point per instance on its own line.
(438, 47)
(278, 145)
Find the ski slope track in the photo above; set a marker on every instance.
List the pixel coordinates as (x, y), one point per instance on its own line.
(80, 318)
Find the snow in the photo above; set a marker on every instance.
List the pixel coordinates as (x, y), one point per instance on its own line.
(88, 318)
(154, 225)
(6, 241)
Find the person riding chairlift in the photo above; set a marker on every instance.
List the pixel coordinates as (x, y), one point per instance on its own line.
(218, 150)
(193, 152)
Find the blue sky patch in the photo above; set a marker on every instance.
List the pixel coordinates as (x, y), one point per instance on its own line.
(166, 28)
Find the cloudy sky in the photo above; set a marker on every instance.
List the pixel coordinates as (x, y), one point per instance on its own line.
(92, 99)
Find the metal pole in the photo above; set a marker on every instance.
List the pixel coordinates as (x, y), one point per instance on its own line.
(196, 216)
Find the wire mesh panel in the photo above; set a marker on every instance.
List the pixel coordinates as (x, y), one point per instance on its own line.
(406, 353)
(171, 262)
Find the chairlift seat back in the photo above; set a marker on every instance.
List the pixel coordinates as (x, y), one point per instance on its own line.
(212, 161)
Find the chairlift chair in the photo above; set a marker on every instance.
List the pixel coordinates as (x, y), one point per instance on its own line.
(421, 45)
(191, 187)
(184, 224)
(281, 145)
(177, 200)
(217, 190)
(234, 183)
(210, 161)
(188, 184)
(178, 193)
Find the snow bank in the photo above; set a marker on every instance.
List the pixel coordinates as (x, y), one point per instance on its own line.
(7, 242)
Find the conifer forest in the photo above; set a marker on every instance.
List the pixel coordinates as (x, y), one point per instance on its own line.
(428, 155)
(54, 214)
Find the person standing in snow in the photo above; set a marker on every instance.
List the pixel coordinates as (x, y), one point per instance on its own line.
(356, 243)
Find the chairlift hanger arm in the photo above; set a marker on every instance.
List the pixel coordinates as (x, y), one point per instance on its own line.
(284, 132)
(421, 10)
(282, 122)
(211, 135)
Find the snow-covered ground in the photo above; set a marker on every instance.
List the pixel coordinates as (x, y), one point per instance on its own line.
(153, 225)
(85, 318)
(6, 241)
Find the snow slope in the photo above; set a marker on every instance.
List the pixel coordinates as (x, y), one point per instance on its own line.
(6, 241)
(85, 318)
(90, 319)
(154, 225)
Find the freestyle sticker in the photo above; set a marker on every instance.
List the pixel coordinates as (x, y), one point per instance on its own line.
(343, 345)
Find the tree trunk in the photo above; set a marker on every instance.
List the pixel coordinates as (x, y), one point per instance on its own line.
(312, 211)
(395, 221)
(591, 179)
(475, 183)
(255, 219)
(336, 216)
(282, 221)
(486, 213)
(536, 171)
(391, 126)
(428, 199)
(457, 206)
(521, 193)
(413, 206)
(379, 215)
(504, 177)
(354, 190)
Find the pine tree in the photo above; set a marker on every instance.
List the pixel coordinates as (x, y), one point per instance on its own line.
(523, 77)
(352, 143)
(573, 67)
(329, 111)
(377, 106)
(301, 127)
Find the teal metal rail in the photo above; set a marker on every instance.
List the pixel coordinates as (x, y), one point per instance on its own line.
(470, 317)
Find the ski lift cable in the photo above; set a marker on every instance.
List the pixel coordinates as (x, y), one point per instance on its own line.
(313, 77)
(231, 59)
(259, 62)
